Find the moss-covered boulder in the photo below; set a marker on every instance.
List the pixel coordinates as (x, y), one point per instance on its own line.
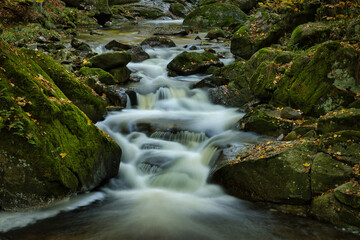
(309, 34)
(97, 74)
(215, 33)
(328, 209)
(121, 74)
(349, 194)
(138, 54)
(117, 46)
(178, 9)
(110, 60)
(319, 80)
(188, 63)
(344, 119)
(262, 30)
(327, 172)
(265, 120)
(244, 5)
(145, 12)
(62, 151)
(214, 15)
(274, 171)
(158, 41)
(80, 45)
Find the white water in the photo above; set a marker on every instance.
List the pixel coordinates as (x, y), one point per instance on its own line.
(169, 142)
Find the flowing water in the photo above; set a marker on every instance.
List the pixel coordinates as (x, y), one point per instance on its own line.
(169, 141)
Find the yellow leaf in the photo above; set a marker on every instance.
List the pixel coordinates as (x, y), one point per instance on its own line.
(28, 114)
(62, 155)
(88, 122)
(338, 153)
(306, 164)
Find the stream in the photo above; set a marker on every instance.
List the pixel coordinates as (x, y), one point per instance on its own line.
(169, 140)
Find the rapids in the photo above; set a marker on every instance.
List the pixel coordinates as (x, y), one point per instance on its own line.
(169, 141)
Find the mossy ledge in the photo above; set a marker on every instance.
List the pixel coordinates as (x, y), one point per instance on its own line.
(49, 148)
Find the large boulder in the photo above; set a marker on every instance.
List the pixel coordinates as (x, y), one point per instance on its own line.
(110, 60)
(178, 9)
(309, 34)
(62, 152)
(244, 5)
(274, 171)
(98, 74)
(323, 79)
(214, 15)
(345, 119)
(117, 46)
(158, 41)
(349, 194)
(188, 63)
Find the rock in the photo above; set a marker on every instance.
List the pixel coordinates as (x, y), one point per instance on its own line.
(65, 56)
(98, 74)
(244, 5)
(309, 34)
(178, 9)
(289, 113)
(170, 31)
(327, 173)
(121, 74)
(80, 45)
(215, 34)
(267, 29)
(327, 209)
(145, 12)
(132, 96)
(316, 83)
(158, 41)
(138, 54)
(348, 194)
(345, 119)
(188, 63)
(264, 119)
(291, 136)
(353, 29)
(117, 46)
(110, 60)
(214, 15)
(268, 172)
(41, 39)
(121, 2)
(62, 152)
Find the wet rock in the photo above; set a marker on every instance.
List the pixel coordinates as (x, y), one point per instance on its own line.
(178, 9)
(345, 119)
(215, 34)
(188, 63)
(138, 54)
(327, 208)
(349, 194)
(327, 173)
(289, 113)
(170, 31)
(145, 12)
(214, 15)
(110, 60)
(158, 41)
(62, 152)
(265, 120)
(117, 46)
(310, 34)
(273, 172)
(80, 45)
(132, 96)
(98, 74)
(121, 74)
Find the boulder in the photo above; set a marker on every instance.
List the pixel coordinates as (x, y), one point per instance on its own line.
(289, 113)
(117, 46)
(145, 12)
(274, 171)
(215, 34)
(345, 119)
(121, 74)
(188, 63)
(80, 45)
(110, 60)
(178, 9)
(62, 152)
(214, 15)
(328, 173)
(138, 54)
(349, 194)
(318, 81)
(98, 74)
(158, 41)
(309, 34)
(244, 5)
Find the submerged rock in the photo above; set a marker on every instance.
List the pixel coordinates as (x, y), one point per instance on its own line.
(62, 151)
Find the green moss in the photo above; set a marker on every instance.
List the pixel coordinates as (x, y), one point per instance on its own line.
(98, 74)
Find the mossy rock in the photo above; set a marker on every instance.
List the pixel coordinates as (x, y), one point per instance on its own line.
(110, 60)
(265, 120)
(214, 15)
(121, 74)
(349, 194)
(262, 30)
(215, 34)
(279, 175)
(158, 41)
(83, 97)
(309, 34)
(145, 12)
(316, 81)
(327, 208)
(188, 63)
(244, 5)
(121, 2)
(334, 121)
(98, 74)
(178, 9)
(62, 151)
(328, 173)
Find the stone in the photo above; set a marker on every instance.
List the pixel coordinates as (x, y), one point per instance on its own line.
(121, 74)
(215, 34)
(178, 9)
(158, 41)
(80, 45)
(138, 54)
(110, 60)
(334, 121)
(309, 34)
(349, 194)
(117, 46)
(188, 63)
(289, 113)
(99, 74)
